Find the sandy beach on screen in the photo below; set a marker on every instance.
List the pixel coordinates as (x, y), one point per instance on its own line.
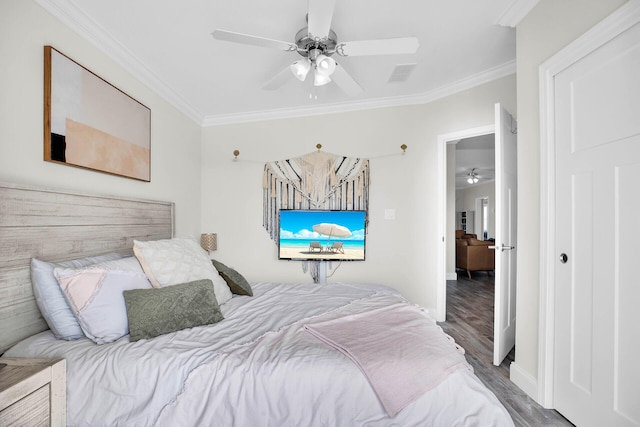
(286, 252)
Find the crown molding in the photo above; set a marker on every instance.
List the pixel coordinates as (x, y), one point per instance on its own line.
(515, 12)
(87, 28)
(487, 76)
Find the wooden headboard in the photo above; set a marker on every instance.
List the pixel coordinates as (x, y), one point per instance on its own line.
(57, 225)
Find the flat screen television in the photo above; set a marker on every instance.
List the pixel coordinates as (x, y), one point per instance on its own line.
(322, 235)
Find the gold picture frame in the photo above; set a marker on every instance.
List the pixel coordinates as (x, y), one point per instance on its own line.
(91, 124)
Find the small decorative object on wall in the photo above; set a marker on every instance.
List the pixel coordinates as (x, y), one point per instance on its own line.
(317, 180)
(91, 124)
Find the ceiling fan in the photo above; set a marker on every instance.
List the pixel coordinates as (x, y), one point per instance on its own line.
(317, 43)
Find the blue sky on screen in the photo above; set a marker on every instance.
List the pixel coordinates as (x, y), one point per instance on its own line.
(296, 224)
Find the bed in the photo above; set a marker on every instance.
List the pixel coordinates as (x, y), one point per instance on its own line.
(281, 354)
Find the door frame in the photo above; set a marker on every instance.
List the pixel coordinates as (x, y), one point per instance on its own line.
(618, 22)
(443, 141)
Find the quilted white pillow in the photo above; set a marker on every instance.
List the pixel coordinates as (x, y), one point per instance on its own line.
(173, 261)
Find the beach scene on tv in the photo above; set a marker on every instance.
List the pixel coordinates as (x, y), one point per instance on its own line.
(322, 235)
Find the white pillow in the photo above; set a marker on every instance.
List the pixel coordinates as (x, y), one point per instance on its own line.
(174, 261)
(51, 300)
(94, 294)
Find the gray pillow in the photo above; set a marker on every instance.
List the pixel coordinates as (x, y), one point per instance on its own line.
(158, 311)
(237, 283)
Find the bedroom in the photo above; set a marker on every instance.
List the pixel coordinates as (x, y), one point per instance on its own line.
(213, 193)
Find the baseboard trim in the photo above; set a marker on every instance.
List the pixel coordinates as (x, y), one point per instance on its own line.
(452, 276)
(524, 380)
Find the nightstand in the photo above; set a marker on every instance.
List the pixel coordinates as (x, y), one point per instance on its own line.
(33, 392)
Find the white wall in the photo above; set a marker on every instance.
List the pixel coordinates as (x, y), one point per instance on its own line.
(400, 252)
(466, 201)
(549, 27)
(175, 140)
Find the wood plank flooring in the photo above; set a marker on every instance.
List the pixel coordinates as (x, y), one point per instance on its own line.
(470, 323)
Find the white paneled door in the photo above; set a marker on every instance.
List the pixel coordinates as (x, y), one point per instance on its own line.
(596, 376)
(504, 313)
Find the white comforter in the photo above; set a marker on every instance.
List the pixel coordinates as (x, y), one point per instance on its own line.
(257, 367)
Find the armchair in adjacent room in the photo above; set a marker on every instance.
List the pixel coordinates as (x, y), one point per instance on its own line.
(473, 254)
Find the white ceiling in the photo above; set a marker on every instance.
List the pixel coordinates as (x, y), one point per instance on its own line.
(479, 153)
(168, 45)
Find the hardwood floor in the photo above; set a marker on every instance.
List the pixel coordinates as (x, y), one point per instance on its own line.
(470, 323)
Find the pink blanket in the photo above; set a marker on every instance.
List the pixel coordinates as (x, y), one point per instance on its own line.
(401, 351)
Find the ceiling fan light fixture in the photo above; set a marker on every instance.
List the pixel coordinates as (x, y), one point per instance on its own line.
(472, 177)
(325, 65)
(320, 79)
(300, 69)
(316, 43)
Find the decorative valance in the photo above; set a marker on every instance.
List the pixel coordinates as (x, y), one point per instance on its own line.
(317, 180)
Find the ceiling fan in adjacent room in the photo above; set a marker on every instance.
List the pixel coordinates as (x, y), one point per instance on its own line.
(317, 43)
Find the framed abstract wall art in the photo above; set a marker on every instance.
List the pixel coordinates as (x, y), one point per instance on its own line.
(91, 124)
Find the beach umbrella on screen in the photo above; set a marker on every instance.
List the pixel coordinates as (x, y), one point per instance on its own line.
(332, 230)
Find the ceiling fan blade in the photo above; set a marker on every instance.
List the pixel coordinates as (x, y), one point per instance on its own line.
(281, 78)
(345, 82)
(230, 36)
(394, 46)
(319, 16)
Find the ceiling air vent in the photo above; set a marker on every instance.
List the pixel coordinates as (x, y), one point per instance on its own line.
(401, 72)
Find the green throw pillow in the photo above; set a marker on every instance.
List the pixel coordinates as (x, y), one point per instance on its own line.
(237, 283)
(158, 311)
